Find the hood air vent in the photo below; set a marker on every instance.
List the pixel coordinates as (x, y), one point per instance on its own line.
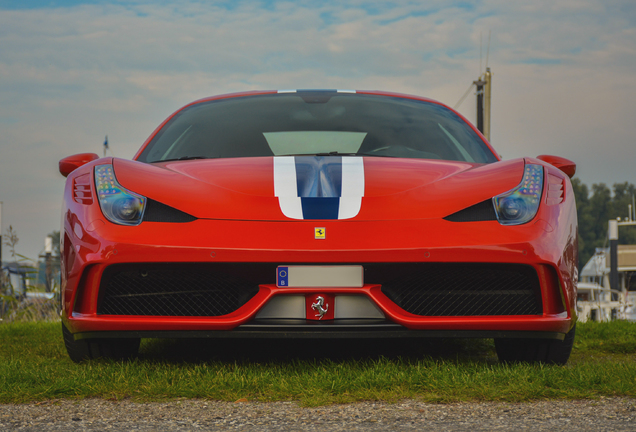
(484, 211)
(82, 189)
(158, 212)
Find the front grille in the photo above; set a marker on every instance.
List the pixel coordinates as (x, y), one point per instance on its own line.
(425, 289)
(177, 289)
(462, 289)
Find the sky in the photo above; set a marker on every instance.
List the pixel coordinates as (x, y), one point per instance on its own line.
(73, 71)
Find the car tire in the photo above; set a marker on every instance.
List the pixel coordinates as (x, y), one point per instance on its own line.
(547, 351)
(78, 350)
(117, 349)
(87, 349)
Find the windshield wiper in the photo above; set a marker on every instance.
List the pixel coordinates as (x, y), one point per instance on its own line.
(335, 153)
(182, 158)
(331, 153)
(374, 155)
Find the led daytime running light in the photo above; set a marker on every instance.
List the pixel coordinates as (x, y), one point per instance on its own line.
(118, 204)
(521, 204)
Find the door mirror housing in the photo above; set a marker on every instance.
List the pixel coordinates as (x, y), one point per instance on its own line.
(565, 165)
(71, 163)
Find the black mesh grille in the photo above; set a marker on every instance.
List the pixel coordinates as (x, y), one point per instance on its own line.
(483, 211)
(158, 212)
(175, 290)
(426, 289)
(463, 289)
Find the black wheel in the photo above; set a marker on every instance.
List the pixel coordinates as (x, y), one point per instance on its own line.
(86, 349)
(118, 349)
(77, 350)
(536, 350)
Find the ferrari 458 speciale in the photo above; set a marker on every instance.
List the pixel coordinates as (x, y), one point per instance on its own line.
(318, 214)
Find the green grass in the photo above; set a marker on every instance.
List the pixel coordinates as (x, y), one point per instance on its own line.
(34, 366)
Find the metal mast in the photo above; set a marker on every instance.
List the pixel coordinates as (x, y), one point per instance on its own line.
(484, 88)
(487, 90)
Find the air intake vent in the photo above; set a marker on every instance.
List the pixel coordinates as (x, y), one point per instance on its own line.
(465, 289)
(484, 211)
(82, 189)
(555, 190)
(158, 212)
(174, 290)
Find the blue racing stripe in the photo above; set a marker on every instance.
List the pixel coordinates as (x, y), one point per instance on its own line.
(319, 176)
(320, 207)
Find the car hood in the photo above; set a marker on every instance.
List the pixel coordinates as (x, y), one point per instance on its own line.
(284, 188)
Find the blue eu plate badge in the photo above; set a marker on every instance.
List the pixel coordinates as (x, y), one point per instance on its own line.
(283, 276)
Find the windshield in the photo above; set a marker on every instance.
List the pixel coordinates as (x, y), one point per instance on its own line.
(317, 123)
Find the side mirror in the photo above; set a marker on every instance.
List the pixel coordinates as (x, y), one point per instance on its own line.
(565, 165)
(71, 163)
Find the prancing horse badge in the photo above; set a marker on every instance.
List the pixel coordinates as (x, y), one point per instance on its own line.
(320, 307)
(320, 233)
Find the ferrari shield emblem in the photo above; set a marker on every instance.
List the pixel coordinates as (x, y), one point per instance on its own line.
(320, 233)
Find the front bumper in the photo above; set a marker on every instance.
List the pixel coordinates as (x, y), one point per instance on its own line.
(91, 250)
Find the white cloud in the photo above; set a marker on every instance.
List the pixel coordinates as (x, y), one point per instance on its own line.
(69, 76)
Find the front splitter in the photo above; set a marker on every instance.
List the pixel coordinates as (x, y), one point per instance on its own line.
(308, 329)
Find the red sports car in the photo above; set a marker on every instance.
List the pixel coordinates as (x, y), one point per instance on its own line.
(319, 214)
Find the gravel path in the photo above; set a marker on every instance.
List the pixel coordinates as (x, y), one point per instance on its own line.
(605, 414)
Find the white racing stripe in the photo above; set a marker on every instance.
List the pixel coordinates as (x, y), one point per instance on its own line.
(286, 188)
(352, 187)
(285, 177)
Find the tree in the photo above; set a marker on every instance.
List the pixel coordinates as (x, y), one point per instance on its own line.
(623, 197)
(11, 241)
(596, 210)
(586, 222)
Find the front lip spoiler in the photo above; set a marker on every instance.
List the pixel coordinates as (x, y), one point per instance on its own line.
(524, 324)
(308, 329)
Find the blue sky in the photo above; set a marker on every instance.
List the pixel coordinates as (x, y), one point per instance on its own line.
(73, 71)
(38, 4)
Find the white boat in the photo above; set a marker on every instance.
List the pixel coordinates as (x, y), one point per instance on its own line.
(597, 303)
(595, 300)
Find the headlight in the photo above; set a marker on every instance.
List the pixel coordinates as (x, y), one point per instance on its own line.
(521, 204)
(119, 205)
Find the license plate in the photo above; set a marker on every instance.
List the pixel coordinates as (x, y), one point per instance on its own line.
(319, 276)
